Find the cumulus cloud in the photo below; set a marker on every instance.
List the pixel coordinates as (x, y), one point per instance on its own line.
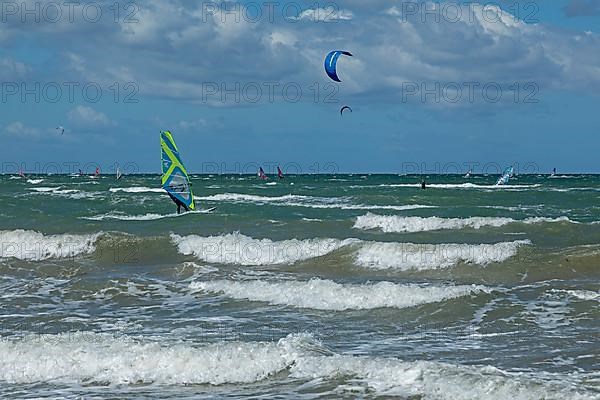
(85, 116)
(192, 125)
(177, 48)
(11, 69)
(20, 130)
(327, 14)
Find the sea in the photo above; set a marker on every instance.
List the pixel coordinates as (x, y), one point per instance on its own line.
(313, 286)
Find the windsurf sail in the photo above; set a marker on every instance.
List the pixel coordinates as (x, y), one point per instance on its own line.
(262, 175)
(506, 175)
(175, 179)
(119, 174)
(279, 173)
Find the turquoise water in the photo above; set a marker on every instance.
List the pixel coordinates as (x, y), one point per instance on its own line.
(312, 286)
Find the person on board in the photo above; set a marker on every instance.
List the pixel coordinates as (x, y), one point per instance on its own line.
(423, 184)
(179, 204)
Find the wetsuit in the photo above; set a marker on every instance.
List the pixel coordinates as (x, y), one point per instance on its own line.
(179, 204)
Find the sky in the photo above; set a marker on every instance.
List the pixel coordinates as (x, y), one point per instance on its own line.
(434, 87)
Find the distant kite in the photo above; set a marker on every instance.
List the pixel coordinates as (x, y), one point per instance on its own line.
(345, 108)
(61, 129)
(331, 63)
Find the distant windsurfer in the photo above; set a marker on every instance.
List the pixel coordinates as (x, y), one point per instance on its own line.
(262, 175)
(179, 204)
(423, 186)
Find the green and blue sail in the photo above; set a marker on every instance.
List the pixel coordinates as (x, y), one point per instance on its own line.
(175, 179)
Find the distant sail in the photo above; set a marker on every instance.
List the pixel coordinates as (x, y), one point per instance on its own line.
(175, 179)
(279, 173)
(506, 175)
(262, 175)
(119, 174)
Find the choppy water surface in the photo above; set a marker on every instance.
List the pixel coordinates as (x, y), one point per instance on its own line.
(314, 286)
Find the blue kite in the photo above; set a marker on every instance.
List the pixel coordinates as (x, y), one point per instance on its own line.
(331, 63)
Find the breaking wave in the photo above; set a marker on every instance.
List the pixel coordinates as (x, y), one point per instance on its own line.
(291, 200)
(137, 189)
(409, 256)
(236, 248)
(35, 246)
(328, 295)
(396, 223)
(93, 359)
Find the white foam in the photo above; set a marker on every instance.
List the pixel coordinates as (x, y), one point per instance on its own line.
(90, 358)
(328, 295)
(137, 189)
(538, 220)
(384, 207)
(586, 295)
(35, 246)
(290, 200)
(144, 217)
(99, 358)
(395, 223)
(52, 190)
(409, 256)
(239, 249)
(35, 181)
(240, 197)
(434, 380)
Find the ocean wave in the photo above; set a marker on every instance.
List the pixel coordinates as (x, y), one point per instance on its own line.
(101, 359)
(409, 256)
(435, 380)
(328, 295)
(54, 190)
(35, 181)
(35, 246)
(145, 217)
(396, 223)
(104, 359)
(137, 189)
(585, 295)
(460, 186)
(240, 197)
(239, 249)
(291, 200)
